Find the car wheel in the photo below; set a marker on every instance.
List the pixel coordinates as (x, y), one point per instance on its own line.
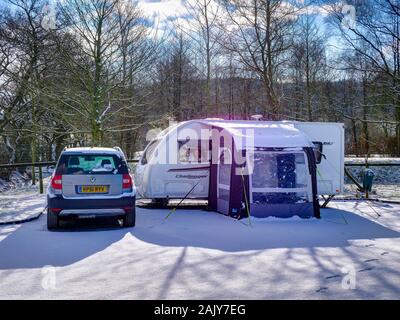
(52, 220)
(160, 202)
(130, 218)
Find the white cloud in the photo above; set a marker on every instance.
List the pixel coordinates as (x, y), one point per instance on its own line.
(163, 10)
(322, 10)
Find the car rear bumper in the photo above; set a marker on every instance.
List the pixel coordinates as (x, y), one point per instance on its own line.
(100, 207)
(92, 212)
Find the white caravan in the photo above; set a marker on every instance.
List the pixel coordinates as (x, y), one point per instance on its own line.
(175, 164)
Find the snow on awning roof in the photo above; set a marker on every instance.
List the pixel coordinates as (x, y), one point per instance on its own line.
(267, 134)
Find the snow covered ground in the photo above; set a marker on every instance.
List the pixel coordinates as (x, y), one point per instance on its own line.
(21, 201)
(16, 181)
(203, 255)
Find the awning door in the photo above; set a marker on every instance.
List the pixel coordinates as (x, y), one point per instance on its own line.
(224, 180)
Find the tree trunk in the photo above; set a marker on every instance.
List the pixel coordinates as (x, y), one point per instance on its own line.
(208, 60)
(355, 140)
(398, 128)
(96, 105)
(365, 118)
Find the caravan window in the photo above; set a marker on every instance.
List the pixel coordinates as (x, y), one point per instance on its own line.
(274, 170)
(148, 152)
(193, 151)
(279, 177)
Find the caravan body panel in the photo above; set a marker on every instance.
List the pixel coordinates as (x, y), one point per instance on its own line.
(188, 163)
(330, 171)
(171, 165)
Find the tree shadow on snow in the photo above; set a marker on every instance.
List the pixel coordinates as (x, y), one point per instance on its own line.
(31, 245)
(215, 231)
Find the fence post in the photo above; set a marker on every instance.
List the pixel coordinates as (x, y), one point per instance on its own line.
(366, 167)
(33, 174)
(40, 180)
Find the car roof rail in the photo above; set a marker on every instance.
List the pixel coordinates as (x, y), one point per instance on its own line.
(119, 150)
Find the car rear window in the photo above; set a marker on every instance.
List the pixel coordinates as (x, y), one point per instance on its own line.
(83, 164)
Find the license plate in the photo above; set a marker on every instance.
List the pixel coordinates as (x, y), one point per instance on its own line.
(93, 189)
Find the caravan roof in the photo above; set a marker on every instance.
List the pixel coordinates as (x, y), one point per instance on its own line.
(267, 134)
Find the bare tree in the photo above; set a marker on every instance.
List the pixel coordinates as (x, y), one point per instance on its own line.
(113, 46)
(376, 38)
(259, 32)
(308, 62)
(201, 28)
(26, 50)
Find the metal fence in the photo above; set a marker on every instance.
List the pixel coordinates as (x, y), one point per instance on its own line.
(39, 166)
(352, 169)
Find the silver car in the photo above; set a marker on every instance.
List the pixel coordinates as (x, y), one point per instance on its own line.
(91, 182)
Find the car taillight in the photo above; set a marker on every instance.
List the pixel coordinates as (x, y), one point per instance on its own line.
(127, 183)
(56, 182)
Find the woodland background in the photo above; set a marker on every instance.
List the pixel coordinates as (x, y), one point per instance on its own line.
(102, 72)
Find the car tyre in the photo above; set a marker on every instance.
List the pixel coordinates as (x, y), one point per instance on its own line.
(52, 220)
(130, 218)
